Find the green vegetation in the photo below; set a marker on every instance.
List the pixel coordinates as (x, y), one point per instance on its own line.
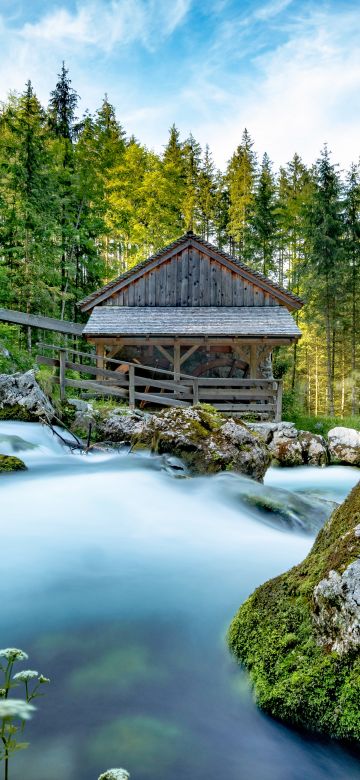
(81, 202)
(10, 463)
(14, 712)
(295, 678)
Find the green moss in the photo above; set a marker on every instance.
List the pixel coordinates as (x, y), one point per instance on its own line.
(10, 463)
(17, 412)
(294, 678)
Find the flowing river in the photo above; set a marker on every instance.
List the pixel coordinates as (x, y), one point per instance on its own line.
(120, 581)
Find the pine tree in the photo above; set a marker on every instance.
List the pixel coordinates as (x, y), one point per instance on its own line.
(174, 175)
(263, 221)
(241, 179)
(325, 262)
(206, 195)
(352, 256)
(192, 167)
(27, 190)
(61, 112)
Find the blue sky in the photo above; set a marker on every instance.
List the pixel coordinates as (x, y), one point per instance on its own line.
(287, 70)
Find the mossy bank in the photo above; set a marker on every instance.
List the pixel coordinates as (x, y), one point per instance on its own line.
(299, 634)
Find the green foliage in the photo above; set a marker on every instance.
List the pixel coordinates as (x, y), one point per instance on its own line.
(81, 202)
(294, 677)
(14, 712)
(321, 424)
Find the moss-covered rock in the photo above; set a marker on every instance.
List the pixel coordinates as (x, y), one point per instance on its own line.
(21, 398)
(293, 636)
(10, 463)
(204, 440)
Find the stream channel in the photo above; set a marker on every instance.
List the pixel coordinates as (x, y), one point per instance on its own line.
(120, 581)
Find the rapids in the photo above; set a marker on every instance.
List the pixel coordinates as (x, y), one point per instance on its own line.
(120, 581)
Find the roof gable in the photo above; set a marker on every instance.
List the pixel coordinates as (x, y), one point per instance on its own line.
(234, 267)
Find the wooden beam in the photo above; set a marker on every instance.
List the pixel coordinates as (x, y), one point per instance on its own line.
(253, 361)
(166, 340)
(100, 352)
(38, 321)
(188, 353)
(177, 363)
(165, 353)
(278, 410)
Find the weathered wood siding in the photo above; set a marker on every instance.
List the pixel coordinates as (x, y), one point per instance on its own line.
(191, 278)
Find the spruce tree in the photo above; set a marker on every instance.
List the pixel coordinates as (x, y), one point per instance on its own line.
(192, 167)
(325, 262)
(352, 257)
(241, 179)
(206, 195)
(264, 224)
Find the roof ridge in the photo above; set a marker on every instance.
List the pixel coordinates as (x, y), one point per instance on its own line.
(173, 245)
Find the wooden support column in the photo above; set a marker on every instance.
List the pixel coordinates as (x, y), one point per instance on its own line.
(62, 362)
(132, 387)
(278, 411)
(100, 354)
(253, 361)
(176, 360)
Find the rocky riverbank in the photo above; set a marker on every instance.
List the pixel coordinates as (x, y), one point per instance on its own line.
(299, 634)
(206, 441)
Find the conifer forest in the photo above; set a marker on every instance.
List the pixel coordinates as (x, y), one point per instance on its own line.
(81, 201)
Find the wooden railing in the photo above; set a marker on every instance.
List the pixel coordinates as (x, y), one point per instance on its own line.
(134, 382)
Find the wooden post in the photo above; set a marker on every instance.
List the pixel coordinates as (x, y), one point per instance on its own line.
(253, 361)
(176, 361)
(195, 391)
(62, 362)
(279, 401)
(132, 387)
(100, 353)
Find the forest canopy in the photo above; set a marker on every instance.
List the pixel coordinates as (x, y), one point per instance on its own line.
(81, 201)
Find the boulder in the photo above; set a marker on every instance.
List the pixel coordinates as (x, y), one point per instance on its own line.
(121, 425)
(10, 463)
(290, 447)
(204, 440)
(299, 634)
(314, 449)
(344, 446)
(337, 609)
(285, 447)
(21, 398)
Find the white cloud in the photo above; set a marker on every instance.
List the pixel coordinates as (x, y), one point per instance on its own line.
(300, 94)
(269, 10)
(104, 25)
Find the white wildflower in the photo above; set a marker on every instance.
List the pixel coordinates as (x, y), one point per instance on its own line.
(43, 679)
(115, 774)
(25, 675)
(13, 654)
(16, 708)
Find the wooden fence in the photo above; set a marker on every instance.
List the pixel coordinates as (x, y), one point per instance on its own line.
(134, 382)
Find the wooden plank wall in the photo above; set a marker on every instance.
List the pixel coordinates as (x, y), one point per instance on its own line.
(191, 278)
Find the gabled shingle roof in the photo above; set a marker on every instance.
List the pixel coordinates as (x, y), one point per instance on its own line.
(186, 240)
(190, 321)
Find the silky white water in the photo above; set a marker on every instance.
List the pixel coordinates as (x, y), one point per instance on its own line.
(120, 581)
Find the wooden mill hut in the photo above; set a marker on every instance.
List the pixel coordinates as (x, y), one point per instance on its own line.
(195, 311)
